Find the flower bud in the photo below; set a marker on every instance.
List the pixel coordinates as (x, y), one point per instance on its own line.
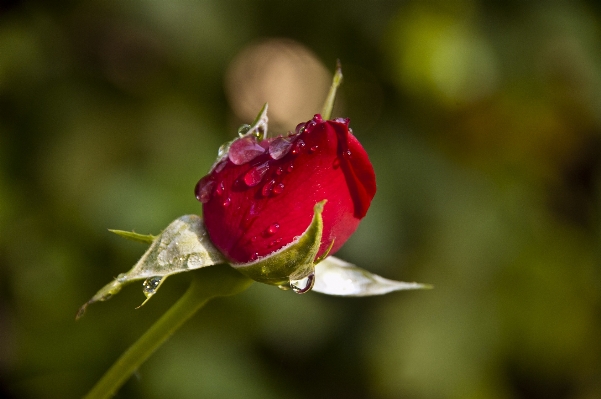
(260, 197)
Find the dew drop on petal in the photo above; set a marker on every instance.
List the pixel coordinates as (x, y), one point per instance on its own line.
(227, 201)
(303, 285)
(220, 189)
(313, 149)
(266, 190)
(278, 188)
(299, 128)
(298, 147)
(223, 149)
(271, 230)
(220, 166)
(204, 189)
(255, 174)
(244, 150)
(279, 171)
(279, 147)
(289, 168)
(336, 163)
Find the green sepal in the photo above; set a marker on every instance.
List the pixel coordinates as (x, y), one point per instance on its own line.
(293, 262)
(183, 246)
(130, 235)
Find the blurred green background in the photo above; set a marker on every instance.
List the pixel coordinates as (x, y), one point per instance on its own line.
(483, 122)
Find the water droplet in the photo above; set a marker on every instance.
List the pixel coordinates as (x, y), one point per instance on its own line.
(279, 171)
(298, 147)
(254, 256)
(279, 147)
(342, 120)
(347, 153)
(220, 189)
(266, 190)
(313, 149)
(220, 166)
(303, 285)
(299, 128)
(150, 285)
(226, 201)
(284, 287)
(254, 239)
(271, 230)
(310, 125)
(275, 242)
(122, 277)
(223, 149)
(242, 130)
(244, 150)
(204, 189)
(289, 168)
(336, 163)
(278, 188)
(255, 174)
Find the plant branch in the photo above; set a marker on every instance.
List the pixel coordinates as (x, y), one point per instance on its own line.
(208, 283)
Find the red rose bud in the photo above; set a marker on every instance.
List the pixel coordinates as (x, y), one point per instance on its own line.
(260, 197)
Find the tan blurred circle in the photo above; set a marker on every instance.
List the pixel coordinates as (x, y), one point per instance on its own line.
(284, 74)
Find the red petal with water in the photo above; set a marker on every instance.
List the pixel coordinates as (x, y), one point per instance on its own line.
(325, 161)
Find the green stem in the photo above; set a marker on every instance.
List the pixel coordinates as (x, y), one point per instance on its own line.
(326, 113)
(207, 283)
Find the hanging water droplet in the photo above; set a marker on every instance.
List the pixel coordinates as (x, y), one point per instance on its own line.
(266, 190)
(298, 147)
(279, 147)
(255, 174)
(310, 125)
(271, 230)
(278, 188)
(227, 201)
(304, 284)
(150, 285)
(204, 189)
(244, 150)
